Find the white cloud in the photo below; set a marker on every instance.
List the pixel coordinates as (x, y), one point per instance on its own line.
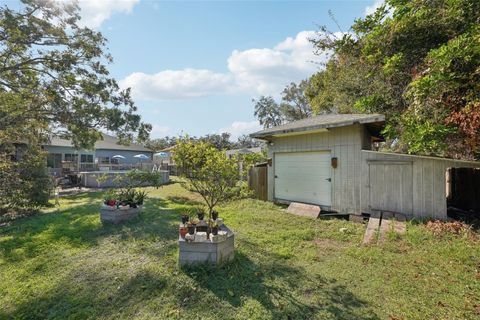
(94, 12)
(176, 84)
(159, 131)
(238, 128)
(257, 71)
(372, 8)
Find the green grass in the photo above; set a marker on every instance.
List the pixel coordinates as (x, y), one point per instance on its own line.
(63, 264)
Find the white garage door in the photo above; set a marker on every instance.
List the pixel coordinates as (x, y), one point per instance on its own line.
(303, 177)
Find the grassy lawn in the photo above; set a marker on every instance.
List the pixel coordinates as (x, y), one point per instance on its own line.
(64, 264)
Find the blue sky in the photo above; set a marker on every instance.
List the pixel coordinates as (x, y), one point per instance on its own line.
(194, 66)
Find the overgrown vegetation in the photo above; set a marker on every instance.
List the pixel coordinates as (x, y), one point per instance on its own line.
(64, 264)
(415, 61)
(418, 63)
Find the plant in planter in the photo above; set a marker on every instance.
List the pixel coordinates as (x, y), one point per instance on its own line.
(110, 199)
(184, 218)
(208, 172)
(191, 227)
(139, 197)
(122, 204)
(200, 214)
(214, 229)
(214, 215)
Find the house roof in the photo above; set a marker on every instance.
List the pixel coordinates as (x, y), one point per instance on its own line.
(171, 148)
(108, 143)
(244, 151)
(319, 122)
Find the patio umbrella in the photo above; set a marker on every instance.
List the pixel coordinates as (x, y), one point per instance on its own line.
(117, 156)
(161, 154)
(141, 156)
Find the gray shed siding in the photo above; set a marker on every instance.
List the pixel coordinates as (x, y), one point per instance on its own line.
(346, 144)
(415, 185)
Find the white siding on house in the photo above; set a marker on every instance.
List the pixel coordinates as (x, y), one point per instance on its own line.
(344, 143)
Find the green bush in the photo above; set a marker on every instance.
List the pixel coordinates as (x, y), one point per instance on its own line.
(25, 185)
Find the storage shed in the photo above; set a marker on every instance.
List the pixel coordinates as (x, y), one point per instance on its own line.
(327, 161)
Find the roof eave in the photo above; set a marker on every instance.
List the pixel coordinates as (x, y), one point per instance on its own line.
(269, 134)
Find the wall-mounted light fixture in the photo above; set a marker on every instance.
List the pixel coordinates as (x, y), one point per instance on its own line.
(334, 162)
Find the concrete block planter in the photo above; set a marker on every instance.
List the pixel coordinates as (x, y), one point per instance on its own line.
(214, 251)
(118, 215)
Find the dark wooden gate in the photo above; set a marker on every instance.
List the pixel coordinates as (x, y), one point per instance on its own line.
(257, 181)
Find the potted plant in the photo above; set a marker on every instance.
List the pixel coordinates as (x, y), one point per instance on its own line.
(183, 231)
(191, 227)
(139, 197)
(109, 199)
(214, 214)
(215, 229)
(185, 218)
(121, 205)
(200, 214)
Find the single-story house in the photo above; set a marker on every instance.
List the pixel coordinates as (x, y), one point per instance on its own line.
(62, 154)
(328, 161)
(230, 153)
(164, 156)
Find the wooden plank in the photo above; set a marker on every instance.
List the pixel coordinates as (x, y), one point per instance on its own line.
(386, 226)
(399, 227)
(371, 232)
(304, 210)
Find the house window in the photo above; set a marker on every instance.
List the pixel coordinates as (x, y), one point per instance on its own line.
(114, 161)
(86, 158)
(86, 161)
(71, 157)
(104, 160)
(54, 160)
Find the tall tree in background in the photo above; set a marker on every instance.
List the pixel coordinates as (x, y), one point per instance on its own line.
(295, 105)
(267, 112)
(161, 143)
(53, 79)
(418, 63)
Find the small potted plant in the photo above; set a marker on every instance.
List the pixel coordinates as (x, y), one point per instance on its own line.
(215, 229)
(191, 227)
(200, 214)
(139, 197)
(214, 214)
(185, 218)
(182, 230)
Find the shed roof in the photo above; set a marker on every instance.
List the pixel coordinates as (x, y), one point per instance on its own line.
(244, 151)
(108, 143)
(319, 122)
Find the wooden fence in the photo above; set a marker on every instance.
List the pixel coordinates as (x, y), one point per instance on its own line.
(257, 181)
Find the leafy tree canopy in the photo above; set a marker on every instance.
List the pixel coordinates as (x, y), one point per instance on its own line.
(208, 171)
(294, 105)
(53, 78)
(418, 62)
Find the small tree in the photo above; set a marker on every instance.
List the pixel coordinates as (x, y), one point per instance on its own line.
(208, 171)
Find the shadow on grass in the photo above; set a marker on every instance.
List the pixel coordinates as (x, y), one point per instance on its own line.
(184, 201)
(79, 226)
(287, 291)
(86, 293)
